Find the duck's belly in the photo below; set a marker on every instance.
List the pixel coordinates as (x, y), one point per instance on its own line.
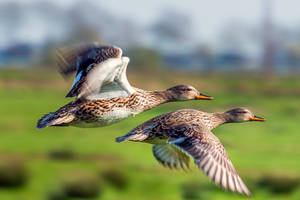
(107, 118)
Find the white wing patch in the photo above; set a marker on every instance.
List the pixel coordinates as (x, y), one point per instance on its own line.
(109, 91)
(121, 77)
(101, 71)
(108, 80)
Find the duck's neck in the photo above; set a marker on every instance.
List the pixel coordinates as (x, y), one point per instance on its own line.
(219, 118)
(155, 98)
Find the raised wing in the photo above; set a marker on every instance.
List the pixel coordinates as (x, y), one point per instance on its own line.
(100, 71)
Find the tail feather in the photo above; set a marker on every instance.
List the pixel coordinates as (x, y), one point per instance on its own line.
(54, 119)
(131, 137)
(121, 138)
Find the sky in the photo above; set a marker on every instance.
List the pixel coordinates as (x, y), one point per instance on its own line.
(208, 16)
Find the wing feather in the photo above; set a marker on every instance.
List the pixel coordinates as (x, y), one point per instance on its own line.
(212, 158)
(78, 57)
(100, 71)
(168, 155)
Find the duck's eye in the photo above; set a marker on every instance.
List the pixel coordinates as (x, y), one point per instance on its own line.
(188, 89)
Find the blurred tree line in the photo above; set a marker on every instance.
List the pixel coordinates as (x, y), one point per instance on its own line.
(167, 41)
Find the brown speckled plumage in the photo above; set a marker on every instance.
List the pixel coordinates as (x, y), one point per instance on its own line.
(93, 113)
(177, 135)
(91, 110)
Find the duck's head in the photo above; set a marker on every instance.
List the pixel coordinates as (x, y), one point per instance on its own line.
(242, 115)
(186, 92)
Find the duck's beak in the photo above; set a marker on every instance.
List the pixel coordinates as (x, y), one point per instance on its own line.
(256, 118)
(203, 97)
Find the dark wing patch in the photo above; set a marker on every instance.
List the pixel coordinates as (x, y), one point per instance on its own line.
(67, 57)
(83, 58)
(76, 87)
(80, 57)
(210, 156)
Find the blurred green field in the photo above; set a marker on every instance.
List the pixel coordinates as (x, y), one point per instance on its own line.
(266, 155)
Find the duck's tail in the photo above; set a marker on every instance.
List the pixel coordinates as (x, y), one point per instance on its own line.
(131, 137)
(55, 119)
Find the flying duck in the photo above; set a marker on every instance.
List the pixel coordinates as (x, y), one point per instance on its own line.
(103, 95)
(177, 136)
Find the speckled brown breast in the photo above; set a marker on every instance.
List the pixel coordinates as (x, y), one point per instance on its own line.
(94, 113)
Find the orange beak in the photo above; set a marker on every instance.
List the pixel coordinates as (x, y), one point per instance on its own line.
(255, 118)
(203, 97)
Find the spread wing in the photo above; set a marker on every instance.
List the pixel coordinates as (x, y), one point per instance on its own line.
(100, 71)
(211, 157)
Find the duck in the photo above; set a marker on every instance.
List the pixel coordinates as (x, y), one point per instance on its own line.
(183, 134)
(103, 95)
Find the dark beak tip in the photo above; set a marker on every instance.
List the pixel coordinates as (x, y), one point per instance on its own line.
(206, 97)
(260, 118)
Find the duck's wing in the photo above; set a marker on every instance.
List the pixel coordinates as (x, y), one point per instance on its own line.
(211, 157)
(100, 71)
(169, 155)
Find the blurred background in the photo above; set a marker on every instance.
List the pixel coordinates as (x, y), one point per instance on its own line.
(244, 53)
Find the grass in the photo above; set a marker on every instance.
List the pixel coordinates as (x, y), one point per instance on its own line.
(256, 149)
